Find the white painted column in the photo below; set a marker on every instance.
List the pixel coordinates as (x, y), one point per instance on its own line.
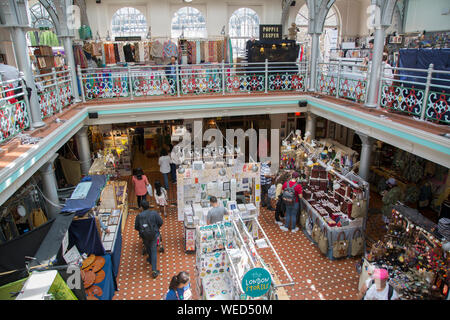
(311, 124)
(314, 58)
(374, 77)
(366, 156)
(24, 65)
(83, 150)
(50, 187)
(68, 51)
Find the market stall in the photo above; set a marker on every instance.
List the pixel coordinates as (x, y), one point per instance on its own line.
(96, 230)
(412, 253)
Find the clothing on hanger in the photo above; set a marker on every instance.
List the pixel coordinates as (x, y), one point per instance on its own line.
(121, 53)
(157, 49)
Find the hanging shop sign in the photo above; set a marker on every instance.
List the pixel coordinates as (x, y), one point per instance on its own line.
(256, 282)
(130, 38)
(270, 32)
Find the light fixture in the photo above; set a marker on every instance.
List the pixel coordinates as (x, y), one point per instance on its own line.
(181, 170)
(336, 185)
(21, 211)
(222, 172)
(255, 168)
(188, 1)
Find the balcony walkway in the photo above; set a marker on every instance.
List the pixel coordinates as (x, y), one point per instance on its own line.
(13, 150)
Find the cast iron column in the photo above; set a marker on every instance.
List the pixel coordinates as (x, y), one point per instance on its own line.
(83, 150)
(366, 156)
(50, 187)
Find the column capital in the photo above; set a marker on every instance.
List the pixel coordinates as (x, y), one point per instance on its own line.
(48, 166)
(365, 139)
(82, 132)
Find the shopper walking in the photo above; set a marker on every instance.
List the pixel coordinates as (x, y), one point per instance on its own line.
(280, 208)
(292, 193)
(164, 167)
(180, 287)
(378, 288)
(148, 224)
(266, 182)
(140, 183)
(160, 197)
(216, 213)
(173, 164)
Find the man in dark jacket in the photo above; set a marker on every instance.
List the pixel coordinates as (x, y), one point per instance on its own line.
(171, 72)
(148, 223)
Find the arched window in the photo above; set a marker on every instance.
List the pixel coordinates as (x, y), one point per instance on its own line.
(188, 22)
(329, 37)
(128, 21)
(244, 25)
(40, 19)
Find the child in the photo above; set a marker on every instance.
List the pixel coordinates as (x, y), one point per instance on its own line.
(161, 197)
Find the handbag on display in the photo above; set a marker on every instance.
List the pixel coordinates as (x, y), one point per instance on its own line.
(358, 208)
(357, 243)
(340, 246)
(323, 241)
(316, 231)
(303, 217)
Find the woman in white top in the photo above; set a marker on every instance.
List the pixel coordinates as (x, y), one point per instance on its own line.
(164, 167)
(160, 197)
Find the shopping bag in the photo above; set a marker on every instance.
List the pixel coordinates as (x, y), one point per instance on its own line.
(340, 247)
(323, 241)
(150, 190)
(357, 243)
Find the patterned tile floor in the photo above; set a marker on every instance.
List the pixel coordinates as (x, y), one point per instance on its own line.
(315, 277)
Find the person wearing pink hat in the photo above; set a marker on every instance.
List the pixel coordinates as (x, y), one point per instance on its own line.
(378, 288)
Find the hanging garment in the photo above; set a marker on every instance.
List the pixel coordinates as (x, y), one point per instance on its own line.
(230, 48)
(147, 49)
(136, 52)
(219, 51)
(38, 217)
(170, 49)
(88, 48)
(121, 53)
(141, 52)
(189, 52)
(202, 51)
(198, 53)
(128, 51)
(96, 49)
(116, 52)
(194, 52)
(157, 49)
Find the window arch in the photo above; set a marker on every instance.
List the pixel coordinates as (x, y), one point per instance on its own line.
(128, 21)
(41, 19)
(243, 25)
(189, 22)
(329, 37)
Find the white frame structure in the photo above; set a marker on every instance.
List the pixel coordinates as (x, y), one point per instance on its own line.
(188, 22)
(243, 26)
(128, 21)
(332, 21)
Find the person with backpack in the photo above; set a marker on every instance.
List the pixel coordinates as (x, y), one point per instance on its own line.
(378, 288)
(160, 197)
(180, 287)
(148, 223)
(291, 195)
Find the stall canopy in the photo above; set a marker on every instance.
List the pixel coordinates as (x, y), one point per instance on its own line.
(82, 206)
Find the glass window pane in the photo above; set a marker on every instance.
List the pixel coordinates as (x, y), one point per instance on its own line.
(128, 21)
(243, 25)
(190, 22)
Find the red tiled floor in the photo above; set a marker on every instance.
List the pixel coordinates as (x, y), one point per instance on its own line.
(315, 276)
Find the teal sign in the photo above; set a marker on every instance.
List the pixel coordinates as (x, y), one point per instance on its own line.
(256, 282)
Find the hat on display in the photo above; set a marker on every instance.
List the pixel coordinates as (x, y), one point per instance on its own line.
(381, 274)
(391, 181)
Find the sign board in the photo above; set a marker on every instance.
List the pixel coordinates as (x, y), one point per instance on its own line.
(256, 282)
(132, 38)
(270, 32)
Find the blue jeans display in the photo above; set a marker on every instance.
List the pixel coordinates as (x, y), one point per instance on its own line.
(166, 181)
(291, 215)
(173, 172)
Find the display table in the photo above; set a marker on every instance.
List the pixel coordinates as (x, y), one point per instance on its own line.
(98, 168)
(45, 285)
(332, 233)
(108, 285)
